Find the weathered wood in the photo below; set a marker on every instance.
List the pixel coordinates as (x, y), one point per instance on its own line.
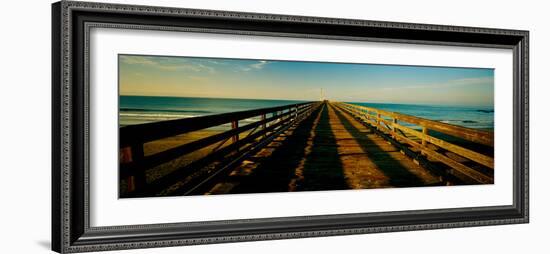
(198, 183)
(465, 170)
(351, 150)
(235, 125)
(424, 135)
(187, 170)
(132, 168)
(474, 156)
(334, 151)
(393, 132)
(462, 171)
(142, 133)
(264, 124)
(473, 135)
(378, 121)
(137, 180)
(465, 173)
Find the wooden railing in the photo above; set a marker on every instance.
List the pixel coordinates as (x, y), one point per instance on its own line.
(392, 124)
(134, 163)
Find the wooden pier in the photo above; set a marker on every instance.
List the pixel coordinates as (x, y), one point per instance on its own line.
(303, 147)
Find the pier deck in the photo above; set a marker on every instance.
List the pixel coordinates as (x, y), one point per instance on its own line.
(330, 150)
(301, 147)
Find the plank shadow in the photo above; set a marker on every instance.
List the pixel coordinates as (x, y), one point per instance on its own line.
(398, 174)
(319, 167)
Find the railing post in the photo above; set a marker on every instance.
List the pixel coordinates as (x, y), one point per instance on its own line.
(137, 179)
(235, 125)
(377, 121)
(424, 134)
(424, 137)
(394, 123)
(264, 125)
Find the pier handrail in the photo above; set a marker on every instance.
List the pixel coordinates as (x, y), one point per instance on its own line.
(134, 163)
(375, 118)
(142, 133)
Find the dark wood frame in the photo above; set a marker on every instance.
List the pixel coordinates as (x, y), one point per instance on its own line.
(71, 22)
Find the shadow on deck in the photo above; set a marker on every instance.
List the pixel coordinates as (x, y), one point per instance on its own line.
(305, 159)
(302, 147)
(327, 151)
(383, 155)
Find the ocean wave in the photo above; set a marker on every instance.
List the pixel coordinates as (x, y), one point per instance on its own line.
(458, 121)
(157, 116)
(485, 110)
(128, 118)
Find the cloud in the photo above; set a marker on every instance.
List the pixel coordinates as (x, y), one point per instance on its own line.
(216, 62)
(255, 66)
(472, 81)
(186, 67)
(450, 83)
(167, 64)
(260, 65)
(207, 68)
(137, 60)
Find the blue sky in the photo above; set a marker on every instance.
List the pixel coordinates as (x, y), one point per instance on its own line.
(260, 79)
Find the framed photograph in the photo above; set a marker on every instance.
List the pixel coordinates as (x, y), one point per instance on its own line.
(182, 126)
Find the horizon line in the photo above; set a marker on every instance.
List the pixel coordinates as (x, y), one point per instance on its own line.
(277, 99)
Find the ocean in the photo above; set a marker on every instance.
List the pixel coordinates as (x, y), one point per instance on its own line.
(477, 117)
(145, 109)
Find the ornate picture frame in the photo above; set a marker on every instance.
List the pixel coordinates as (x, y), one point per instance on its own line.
(71, 197)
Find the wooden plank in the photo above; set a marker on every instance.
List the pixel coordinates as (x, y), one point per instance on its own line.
(467, 171)
(476, 136)
(377, 151)
(181, 173)
(199, 185)
(136, 181)
(142, 133)
(151, 161)
(463, 170)
(473, 135)
(372, 121)
(474, 156)
(338, 152)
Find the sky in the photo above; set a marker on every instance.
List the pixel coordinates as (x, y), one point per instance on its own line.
(296, 80)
